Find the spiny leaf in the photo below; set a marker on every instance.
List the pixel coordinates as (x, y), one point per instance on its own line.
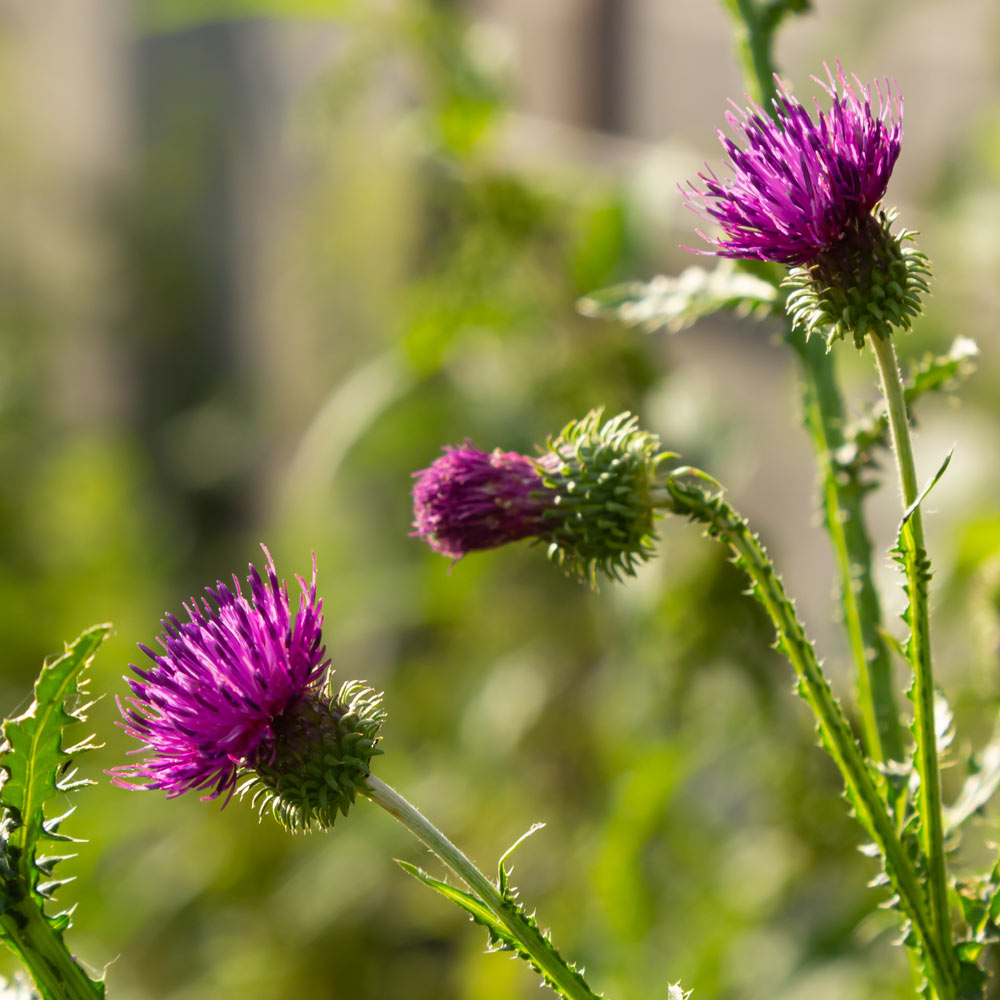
(36, 769)
(677, 302)
(500, 937)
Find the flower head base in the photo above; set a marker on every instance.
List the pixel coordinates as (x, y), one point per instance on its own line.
(800, 185)
(322, 755)
(587, 495)
(224, 697)
(868, 283)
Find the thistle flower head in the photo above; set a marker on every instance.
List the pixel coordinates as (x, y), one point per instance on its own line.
(586, 495)
(806, 194)
(798, 185)
(231, 694)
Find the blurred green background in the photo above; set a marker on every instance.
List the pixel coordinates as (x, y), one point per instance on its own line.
(259, 262)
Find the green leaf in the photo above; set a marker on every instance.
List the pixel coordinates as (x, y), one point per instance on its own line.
(979, 787)
(908, 513)
(38, 768)
(500, 937)
(503, 875)
(677, 302)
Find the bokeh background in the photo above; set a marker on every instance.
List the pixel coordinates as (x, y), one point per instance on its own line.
(258, 262)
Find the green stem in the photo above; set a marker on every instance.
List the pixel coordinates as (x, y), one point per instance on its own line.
(688, 489)
(567, 980)
(843, 495)
(754, 48)
(43, 952)
(911, 540)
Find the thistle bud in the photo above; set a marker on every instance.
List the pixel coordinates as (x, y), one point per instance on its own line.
(586, 496)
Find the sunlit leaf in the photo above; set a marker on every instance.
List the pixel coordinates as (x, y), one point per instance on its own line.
(38, 768)
(677, 302)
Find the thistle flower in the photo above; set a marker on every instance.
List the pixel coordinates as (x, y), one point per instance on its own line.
(241, 691)
(588, 495)
(807, 194)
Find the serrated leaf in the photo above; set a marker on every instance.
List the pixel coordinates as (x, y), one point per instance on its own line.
(472, 905)
(677, 302)
(501, 938)
(37, 768)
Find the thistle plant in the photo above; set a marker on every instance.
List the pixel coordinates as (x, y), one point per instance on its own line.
(239, 701)
(806, 193)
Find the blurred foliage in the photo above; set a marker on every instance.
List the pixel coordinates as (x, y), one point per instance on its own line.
(289, 301)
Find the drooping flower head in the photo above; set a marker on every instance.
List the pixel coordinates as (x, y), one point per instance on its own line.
(806, 193)
(587, 495)
(243, 690)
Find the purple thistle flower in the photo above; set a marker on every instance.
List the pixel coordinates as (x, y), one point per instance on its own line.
(210, 704)
(800, 186)
(470, 500)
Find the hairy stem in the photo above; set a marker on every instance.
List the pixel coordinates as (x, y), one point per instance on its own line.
(916, 565)
(823, 412)
(567, 980)
(697, 495)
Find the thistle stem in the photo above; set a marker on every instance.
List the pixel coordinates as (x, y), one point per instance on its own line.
(567, 980)
(842, 496)
(754, 47)
(916, 565)
(43, 952)
(698, 496)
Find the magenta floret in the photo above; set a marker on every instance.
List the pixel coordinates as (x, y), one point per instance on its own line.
(798, 185)
(469, 500)
(208, 705)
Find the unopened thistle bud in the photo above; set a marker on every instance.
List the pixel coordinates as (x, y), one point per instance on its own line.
(586, 495)
(241, 698)
(807, 194)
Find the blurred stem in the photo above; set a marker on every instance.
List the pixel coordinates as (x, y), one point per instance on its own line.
(44, 954)
(700, 497)
(823, 413)
(753, 43)
(917, 568)
(567, 980)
